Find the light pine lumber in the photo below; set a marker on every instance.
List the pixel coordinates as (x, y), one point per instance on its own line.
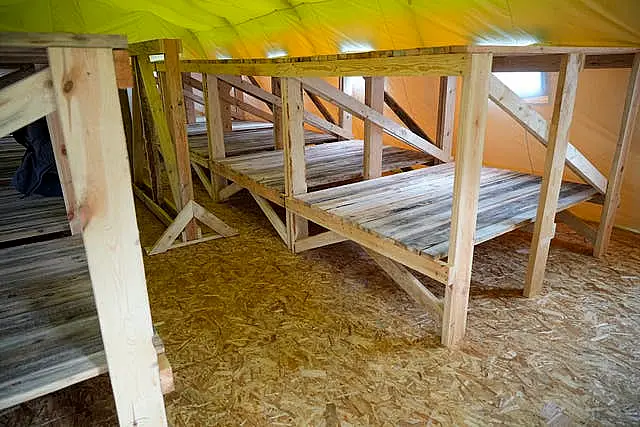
(537, 126)
(202, 175)
(321, 107)
(224, 88)
(26, 101)
(156, 126)
(277, 113)
(409, 284)
(416, 63)
(373, 98)
(151, 47)
(64, 172)
(446, 113)
(323, 239)
(59, 39)
(254, 111)
(150, 204)
(325, 90)
(468, 166)
(295, 181)
(272, 216)
(345, 85)
(164, 242)
(87, 101)
(627, 126)
(175, 110)
(544, 228)
(24, 70)
(215, 130)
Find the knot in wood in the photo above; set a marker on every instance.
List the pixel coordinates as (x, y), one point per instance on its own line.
(68, 86)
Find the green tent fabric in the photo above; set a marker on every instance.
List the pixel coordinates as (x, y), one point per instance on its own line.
(231, 28)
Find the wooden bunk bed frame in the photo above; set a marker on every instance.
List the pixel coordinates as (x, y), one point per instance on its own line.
(75, 305)
(454, 206)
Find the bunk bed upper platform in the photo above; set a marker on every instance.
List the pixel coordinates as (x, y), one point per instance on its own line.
(338, 162)
(412, 210)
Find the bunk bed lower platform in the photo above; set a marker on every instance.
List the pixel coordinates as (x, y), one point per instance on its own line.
(262, 173)
(407, 216)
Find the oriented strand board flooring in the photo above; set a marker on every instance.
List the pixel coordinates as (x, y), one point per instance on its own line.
(258, 336)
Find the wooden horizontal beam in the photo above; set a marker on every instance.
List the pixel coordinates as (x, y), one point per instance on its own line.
(151, 47)
(43, 40)
(332, 94)
(337, 65)
(26, 101)
(535, 124)
(551, 63)
(318, 241)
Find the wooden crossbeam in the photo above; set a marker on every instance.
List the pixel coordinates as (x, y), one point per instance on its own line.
(332, 94)
(407, 281)
(405, 117)
(321, 107)
(151, 47)
(24, 70)
(535, 124)
(627, 125)
(244, 106)
(26, 101)
(202, 175)
(323, 239)
(272, 216)
(577, 225)
(268, 97)
(544, 228)
(229, 191)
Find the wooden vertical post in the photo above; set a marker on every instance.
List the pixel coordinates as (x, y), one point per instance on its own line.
(612, 197)
(471, 134)
(345, 120)
(189, 105)
(295, 181)
(374, 98)
(215, 131)
(224, 89)
(544, 228)
(277, 114)
(84, 82)
(174, 106)
(137, 136)
(446, 113)
(125, 109)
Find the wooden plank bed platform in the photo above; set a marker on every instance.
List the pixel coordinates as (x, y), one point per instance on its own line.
(412, 210)
(10, 158)
(263, 173)
(200, 128)
(48, 321)
(247, 141)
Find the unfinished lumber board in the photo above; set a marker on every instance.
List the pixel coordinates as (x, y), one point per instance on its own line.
(330, 93)
(544, 228)
(295, 180)
(466, 189)
(254, 111)
(87, 101)
(577, 225)
(409, 284)
(277, 113)
(272, 216)
(176, 116)
(151, 47)
(373, 98)
(316, 241)
(321, 108)
(26, 101)
(446, 113)
(627, 126)
(345, 85)
(42, 40)
(215, 130)
(537, 126)
(229, 191)
(406, 117)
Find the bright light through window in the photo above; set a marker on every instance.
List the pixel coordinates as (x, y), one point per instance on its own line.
(524, 84)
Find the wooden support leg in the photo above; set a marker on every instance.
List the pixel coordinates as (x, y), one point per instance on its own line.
(446, 113)
(215, 130)
(277, 114)
(189, 105)
(345, 120)
(137, 151)
(471, 133)
(612, 198)
(374, 98)
(544, 228)
(87, 102)
(174, 106)
(295, 181)
(224, 89)
(123, 96)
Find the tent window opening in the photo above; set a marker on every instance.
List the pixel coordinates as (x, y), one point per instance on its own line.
(530, 85)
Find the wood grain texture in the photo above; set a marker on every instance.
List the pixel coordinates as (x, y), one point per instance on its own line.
(466, 189)
(26, 101)
(627, 126)
(446, 113)
(42, 40)
(544, 228)
(373, 98)
(215, 129)
(87, 100)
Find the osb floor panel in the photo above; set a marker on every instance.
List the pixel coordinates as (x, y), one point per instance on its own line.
(258, 336)
(414, 208)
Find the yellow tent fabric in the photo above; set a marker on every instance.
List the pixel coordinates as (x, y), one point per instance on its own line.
(231, 28)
